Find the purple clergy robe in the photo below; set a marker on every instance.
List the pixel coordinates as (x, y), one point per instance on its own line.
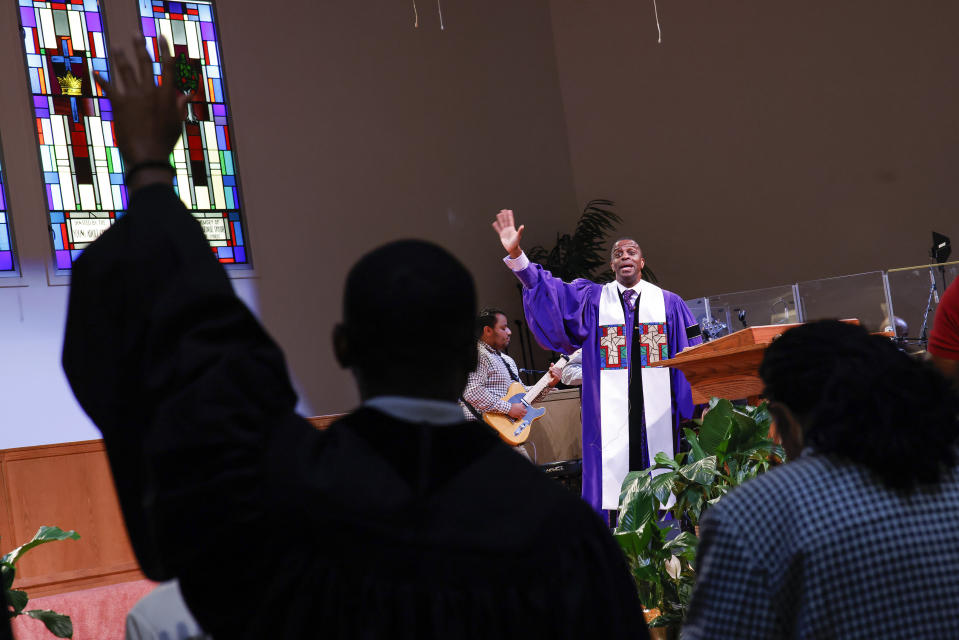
(564, 317)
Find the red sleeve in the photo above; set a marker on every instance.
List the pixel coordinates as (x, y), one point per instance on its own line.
(944, 338)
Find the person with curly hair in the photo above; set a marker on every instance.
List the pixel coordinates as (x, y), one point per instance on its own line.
(857, 536)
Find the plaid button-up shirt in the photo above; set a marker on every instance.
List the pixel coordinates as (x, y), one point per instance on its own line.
(487, 386)
(820, 548)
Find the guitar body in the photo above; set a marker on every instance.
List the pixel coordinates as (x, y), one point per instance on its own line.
(512, 430)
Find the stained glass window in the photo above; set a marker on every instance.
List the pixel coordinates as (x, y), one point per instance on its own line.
(204, 158)
(65, 44)
(6, 246)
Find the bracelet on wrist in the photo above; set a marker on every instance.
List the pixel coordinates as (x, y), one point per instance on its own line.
(150, 164)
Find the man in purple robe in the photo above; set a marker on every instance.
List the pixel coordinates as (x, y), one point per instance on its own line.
(631, 411)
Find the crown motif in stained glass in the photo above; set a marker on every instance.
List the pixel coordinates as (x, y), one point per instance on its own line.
(70, 85)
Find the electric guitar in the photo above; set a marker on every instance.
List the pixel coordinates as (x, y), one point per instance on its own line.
(516, 430)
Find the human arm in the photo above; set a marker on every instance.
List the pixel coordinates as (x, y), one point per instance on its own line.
(680, 318)
(573, 371)
(944, 337)
(553, 375)
(557, 313)
(477, 392)
(170, 365)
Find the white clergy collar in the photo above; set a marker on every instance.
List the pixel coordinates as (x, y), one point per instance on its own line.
(638, 287)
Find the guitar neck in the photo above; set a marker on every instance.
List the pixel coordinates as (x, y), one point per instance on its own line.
(537, 388)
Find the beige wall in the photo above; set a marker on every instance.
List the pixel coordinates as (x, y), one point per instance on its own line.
(352, 129)
(785, 142)
(412, 133)
(765, 142)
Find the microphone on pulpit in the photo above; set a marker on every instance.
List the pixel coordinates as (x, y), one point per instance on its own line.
(742, 317)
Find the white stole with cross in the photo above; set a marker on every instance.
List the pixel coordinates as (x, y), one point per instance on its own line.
(614, 388)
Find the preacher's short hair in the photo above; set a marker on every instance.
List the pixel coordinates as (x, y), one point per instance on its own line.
(404, 283)
(856, 396)
(487, 318)
(612, 247)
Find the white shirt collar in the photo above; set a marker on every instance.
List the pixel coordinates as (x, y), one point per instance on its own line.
(437, 412)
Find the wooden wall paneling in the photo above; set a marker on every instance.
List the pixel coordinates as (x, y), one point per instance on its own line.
(7, 540)
(70, 486)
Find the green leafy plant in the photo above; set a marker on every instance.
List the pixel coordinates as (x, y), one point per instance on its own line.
(583, 253)
(731, 447)
(58, 624)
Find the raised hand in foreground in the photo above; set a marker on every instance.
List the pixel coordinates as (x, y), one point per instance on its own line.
(148, 118)
(509, 235)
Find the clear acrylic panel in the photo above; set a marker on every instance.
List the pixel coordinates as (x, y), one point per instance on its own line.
(772, 305)
(911, 294)
(861, 296)
(699, 307)
(710, 326)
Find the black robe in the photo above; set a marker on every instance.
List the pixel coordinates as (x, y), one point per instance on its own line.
(373, 528)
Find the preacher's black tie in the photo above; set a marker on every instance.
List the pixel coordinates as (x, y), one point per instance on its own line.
(638, 456)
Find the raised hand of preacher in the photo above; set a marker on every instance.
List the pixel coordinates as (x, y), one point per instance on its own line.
(148, 118)
(509, 235)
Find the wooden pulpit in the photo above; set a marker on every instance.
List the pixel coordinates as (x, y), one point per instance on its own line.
(727, 367)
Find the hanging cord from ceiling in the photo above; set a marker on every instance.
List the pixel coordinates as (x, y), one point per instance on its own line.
(659, 40)
(439, 10)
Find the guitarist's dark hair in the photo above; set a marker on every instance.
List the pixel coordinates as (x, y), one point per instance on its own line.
(487, 318)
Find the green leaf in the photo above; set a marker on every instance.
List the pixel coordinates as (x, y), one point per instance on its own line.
(716, 426)
(662, 486)
(689, 555)
(7, 573)
(762, 416)
(636, 506)
(58, 624)
(18, 600)
(745, 431)
(683, 541)
(666, 461)
(696, 452)
(44, 534)
(695, 506)
(634, 543)
(700, 472)
(629, 542)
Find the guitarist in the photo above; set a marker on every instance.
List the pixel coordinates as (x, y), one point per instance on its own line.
(495, 371)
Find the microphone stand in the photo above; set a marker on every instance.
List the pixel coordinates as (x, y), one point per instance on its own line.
(933, 295)
(522, 346)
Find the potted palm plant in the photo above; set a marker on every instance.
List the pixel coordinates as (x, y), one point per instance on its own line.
(583, 253)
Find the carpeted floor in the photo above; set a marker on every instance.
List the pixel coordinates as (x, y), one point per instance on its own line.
(97, 614)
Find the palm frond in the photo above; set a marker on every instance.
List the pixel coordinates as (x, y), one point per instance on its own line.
(582, 254)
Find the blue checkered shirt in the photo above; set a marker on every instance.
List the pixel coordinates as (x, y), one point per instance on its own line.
(819, 548)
